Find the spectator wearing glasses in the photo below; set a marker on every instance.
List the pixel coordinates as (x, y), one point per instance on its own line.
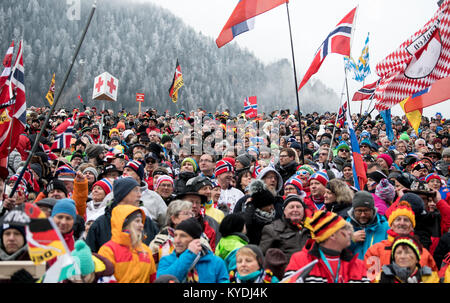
(207, 166)
(342, 155)
(369, 226)
(287, 166)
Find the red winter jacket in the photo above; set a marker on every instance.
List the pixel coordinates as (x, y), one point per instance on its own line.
(352, 269)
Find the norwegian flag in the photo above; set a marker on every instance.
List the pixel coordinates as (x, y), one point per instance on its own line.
(417, 63)
(64, 134)
(337, 42)
(256, 170)
(251, 107)
(48, 151)
(27, 180)
(341, 116)
(13, 107)
(7, 61)
(366, 92)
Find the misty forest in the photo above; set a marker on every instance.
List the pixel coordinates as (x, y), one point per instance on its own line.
(139, 44)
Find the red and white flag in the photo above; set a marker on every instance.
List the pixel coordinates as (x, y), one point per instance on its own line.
(417, 63)
(13, 107)
(337, 42)
(64, 134)
(7, 61)
(251, 107)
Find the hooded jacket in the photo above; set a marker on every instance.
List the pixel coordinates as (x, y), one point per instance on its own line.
(376, 231)
(131, 265)
(228, 246)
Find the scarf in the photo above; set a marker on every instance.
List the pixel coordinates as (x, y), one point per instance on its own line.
(296, 224)
(319, 202)
(263, 216)
(392, 235)
(259, 276)
(192, 275)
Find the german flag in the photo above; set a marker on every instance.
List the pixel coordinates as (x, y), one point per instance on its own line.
(51, 91)
(177, 83)
(44, 242)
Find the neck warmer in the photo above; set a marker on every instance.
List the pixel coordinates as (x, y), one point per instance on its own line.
(263, 216)
(255, 277)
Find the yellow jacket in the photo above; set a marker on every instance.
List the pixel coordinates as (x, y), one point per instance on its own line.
(214, 213)
(131, 265)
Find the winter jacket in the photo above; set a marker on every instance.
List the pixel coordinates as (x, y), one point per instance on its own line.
(428, 229)
(92, 211)
(286, 171)
(240, 206)
(213, 212)
(444, 209)
(228, 246)
(283, 235)
(266, 276)
(420, 275)
(100, 231)
(351, 269)
(442, 249)
(376, 231)
(211, 230)
(379, 254)
(210, 268)
(179, 185)
(230, 197)
(131, 264)
(339, 208)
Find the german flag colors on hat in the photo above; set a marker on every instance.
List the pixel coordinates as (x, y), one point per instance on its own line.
(323, 224)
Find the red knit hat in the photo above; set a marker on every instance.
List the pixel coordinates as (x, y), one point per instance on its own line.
(386, 158)
(105, 184)
(223, 166)
(402, 208)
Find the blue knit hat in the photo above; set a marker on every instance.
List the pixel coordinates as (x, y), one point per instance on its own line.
(122, 187)
(66, 206)
(138, 167)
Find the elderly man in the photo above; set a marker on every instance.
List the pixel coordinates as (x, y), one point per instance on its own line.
(369, 226)
(191, 262)
(326, 256)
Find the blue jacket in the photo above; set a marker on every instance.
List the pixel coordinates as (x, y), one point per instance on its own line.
(376, 231)
(210, 268)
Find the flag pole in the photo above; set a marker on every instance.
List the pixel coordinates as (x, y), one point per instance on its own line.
(296, 86)
(47, 118)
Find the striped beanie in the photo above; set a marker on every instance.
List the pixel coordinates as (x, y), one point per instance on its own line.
(137, 167)
(162, 179)
(323, 224)
(105, 184)
(320, 176)
(409, 241)
(402, 208)
(306, 167)
(296, 182)
(65, 173)
(432, 176)
(223, 166)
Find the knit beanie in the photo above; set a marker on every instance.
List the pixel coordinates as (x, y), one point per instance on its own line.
(65, 206)
(293, 198)
(94, 150)
(261, 196)
(343, 145)
(403, 208)
(83, 256)
(162, 179)
(232, 223)
(5, 226)
(105, 184)
(322, 224)
(432, 176)
(386, 158)
(37, 168)
(56, 184)
(409, 241)
(415, 201)
(276, 261)
(308, 168)
(65, 173)
(320, 176)
(385, 190)
(112, 131)
(191, 227)
(404, 137)
(257, 250)
(363, 199)
(296, 182)
(192, 161)
(91, 170)
(223, 166)
(245, 159)
(122, 187)
(138, 167)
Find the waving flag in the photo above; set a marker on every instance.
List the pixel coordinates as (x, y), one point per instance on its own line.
(360, 69)
(64, 134)
(51, 91)
(241, 20)
(359, 171)
(13, 107)
(341, 115)
(417, 63)
(251, 107)
(366, 92)
(337, 42)
(7, 61)
(177, 83)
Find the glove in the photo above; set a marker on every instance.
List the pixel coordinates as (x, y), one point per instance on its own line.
(22, 276)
